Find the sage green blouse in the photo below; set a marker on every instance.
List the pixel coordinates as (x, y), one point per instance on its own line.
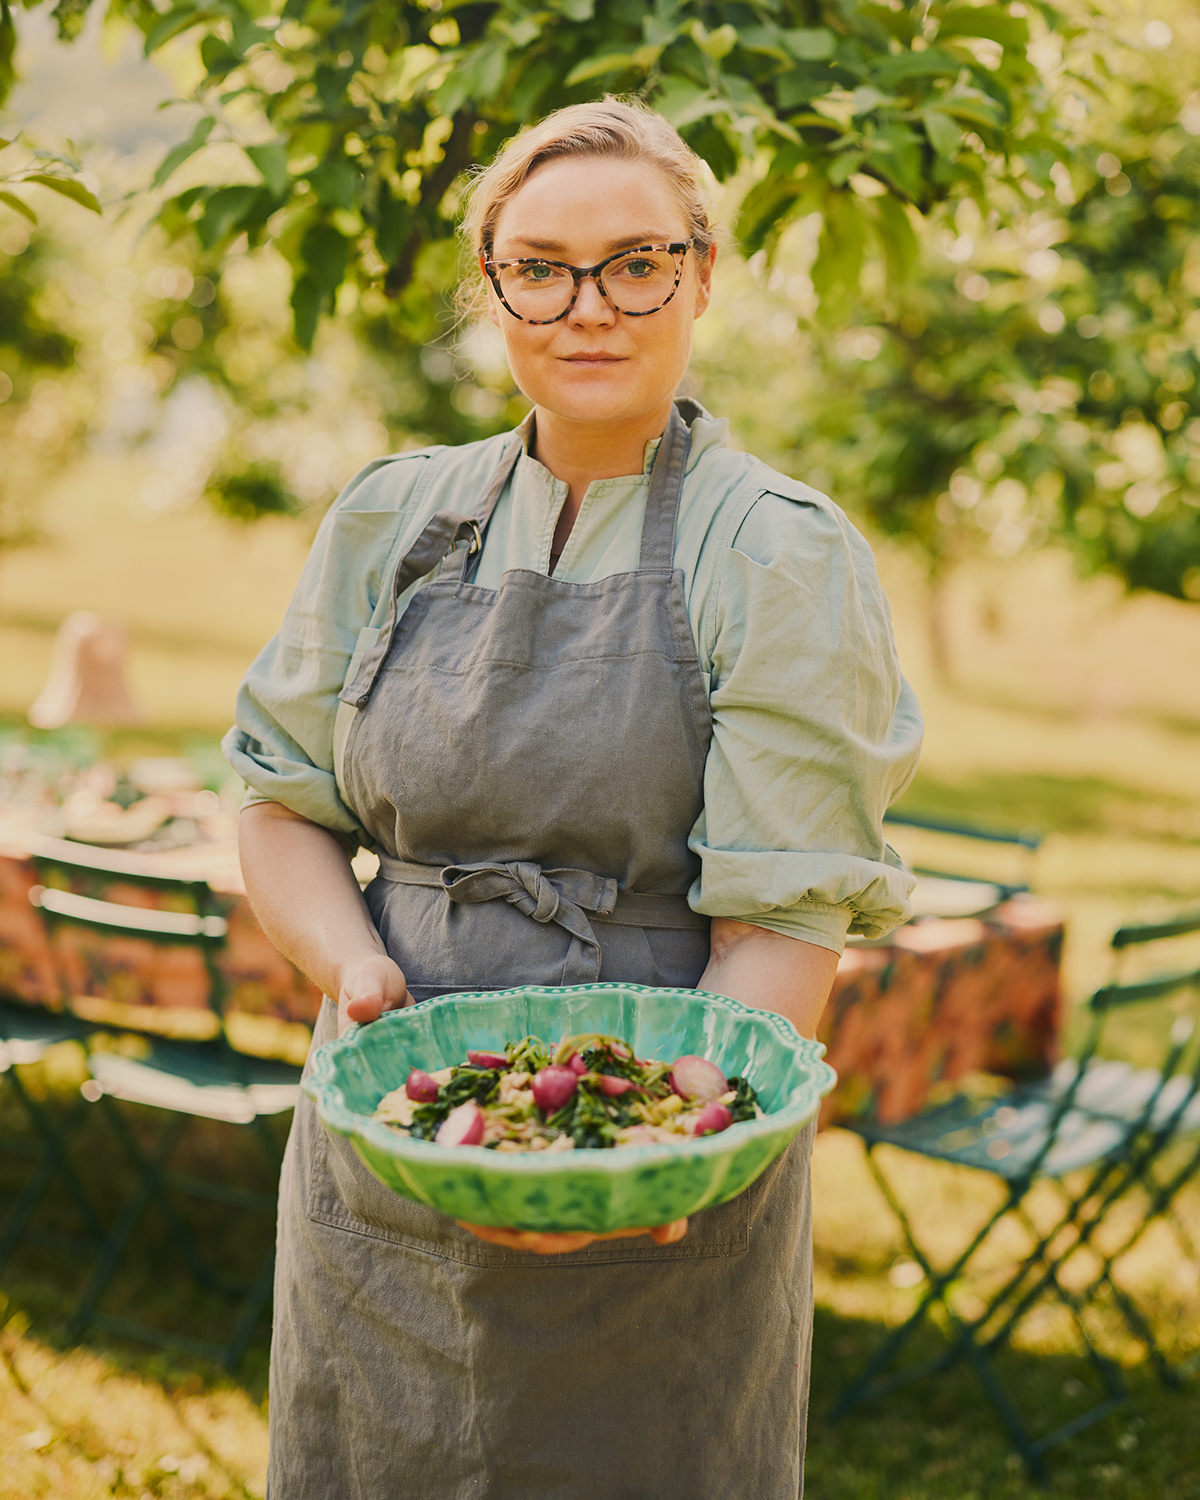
(815, 731)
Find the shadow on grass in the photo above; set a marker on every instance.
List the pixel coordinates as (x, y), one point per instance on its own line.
(940, 1439)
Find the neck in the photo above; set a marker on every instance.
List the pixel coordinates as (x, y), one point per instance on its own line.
(580, 452)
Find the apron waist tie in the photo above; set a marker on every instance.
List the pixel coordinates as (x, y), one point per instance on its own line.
(562, 896)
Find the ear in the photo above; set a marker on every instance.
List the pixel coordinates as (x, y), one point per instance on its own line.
(704, 272)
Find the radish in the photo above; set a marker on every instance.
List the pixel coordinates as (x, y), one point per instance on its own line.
(713, 1118)
(577, 1064)
(487, 1059)
(462, 1126)
(698, 1080)
(614, 1087)
(421, 1087)
(552, 1087)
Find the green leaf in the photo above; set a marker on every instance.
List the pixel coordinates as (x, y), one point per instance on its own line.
(901, 248)
(224, 212)
(839, 250)
(179, 154)
(715, 44)
(218, 57)
(307, 298)
(15, 203)
(944, 135)
(931, 64)
(801, 85)
(271, 162)
(900, 163)
(597, 67)
(683, 102)
(765, 39)
(763, 210)
(394, 225)
(325, 251)
(810, 44)
(336, 183)
(991, 21)
(182, 18)
(844, 167)
(68, 187)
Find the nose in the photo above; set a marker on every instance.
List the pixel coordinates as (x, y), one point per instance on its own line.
(592, 308)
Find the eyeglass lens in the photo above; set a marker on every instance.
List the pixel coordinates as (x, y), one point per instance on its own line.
(540, 291)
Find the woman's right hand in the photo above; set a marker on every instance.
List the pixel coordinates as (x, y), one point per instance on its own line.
(369, 987)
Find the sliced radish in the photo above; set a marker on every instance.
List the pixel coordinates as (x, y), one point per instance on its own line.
(614, 1087)
(462, 1126)
(487, 1059)
(421, 1087)
(552, 1087)
(712, 1119)
(698, 1080)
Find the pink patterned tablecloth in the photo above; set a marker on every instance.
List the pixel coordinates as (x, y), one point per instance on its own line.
(939, 1000)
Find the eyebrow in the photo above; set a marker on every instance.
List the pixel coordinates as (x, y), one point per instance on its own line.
(555, 247)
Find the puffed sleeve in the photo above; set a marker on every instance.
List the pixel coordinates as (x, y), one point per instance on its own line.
(815, 731)
(281, 744)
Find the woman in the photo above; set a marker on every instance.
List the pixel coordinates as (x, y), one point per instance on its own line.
(611, 701)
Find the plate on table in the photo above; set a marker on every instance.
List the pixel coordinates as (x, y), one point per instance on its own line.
(595, 1190)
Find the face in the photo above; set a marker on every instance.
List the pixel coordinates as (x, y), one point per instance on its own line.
(598, 364)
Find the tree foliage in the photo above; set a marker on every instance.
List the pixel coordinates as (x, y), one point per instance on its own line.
(356, 119)
(1042, 381)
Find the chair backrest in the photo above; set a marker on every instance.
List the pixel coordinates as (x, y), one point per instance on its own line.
(1028, 842)
(1178, 1084)
(63, 866)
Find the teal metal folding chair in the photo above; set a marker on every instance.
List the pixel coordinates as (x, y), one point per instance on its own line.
(1028, 843)
(185, 1081)
(1100, 1119)
(26, 1034)
(1160, 1109)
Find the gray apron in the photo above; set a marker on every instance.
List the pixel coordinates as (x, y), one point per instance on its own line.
(531, 761)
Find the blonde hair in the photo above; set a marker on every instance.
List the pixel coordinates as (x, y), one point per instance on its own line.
(620, 129)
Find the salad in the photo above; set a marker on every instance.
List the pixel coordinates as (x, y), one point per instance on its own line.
(590, 1091)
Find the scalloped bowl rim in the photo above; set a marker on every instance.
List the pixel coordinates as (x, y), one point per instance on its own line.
(329, 1097)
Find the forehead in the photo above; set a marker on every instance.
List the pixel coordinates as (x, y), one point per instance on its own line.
(588, 205)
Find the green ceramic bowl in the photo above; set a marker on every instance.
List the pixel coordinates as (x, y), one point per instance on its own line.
(583, 1189)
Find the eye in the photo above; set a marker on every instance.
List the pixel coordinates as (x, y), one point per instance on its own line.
(537, 273)
(639, 269)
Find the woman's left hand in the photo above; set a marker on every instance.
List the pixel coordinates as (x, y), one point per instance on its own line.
(562, 1244)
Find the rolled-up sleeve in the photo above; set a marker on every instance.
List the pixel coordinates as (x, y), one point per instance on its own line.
(815, 731)
(281, 744)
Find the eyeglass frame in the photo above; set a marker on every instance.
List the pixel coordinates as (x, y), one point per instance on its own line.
(580, 274)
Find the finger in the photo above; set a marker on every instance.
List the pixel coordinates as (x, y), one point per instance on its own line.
(364, 1008)
(669, 1234)
(528, 1239)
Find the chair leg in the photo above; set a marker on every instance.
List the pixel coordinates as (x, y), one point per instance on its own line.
(158, 1197)
(122, 1231)
(53, 1161)
(867, 1386)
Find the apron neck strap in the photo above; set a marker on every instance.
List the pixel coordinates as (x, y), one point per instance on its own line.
(666, 489)
(437, 543)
